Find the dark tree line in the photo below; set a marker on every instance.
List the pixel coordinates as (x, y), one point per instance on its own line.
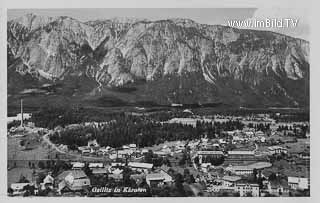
(141, 130)
(260, 127)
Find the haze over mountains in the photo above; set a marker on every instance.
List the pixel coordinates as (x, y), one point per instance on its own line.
(162, 62)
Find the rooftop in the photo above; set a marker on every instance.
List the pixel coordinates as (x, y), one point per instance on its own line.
(241, 152)
(155, 176)
(231, 178)
(140, 165)
(76, 174)
(210, 152)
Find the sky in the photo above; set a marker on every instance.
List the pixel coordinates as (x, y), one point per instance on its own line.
(201, 15)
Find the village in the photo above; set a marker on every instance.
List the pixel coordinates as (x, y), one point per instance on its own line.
(265, 158)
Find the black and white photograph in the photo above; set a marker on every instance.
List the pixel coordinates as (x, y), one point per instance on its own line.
(158, 102)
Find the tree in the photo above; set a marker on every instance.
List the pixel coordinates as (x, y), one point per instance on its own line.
(87, 170)
(196, 160)
(22, 143)
(254, 174)
(179, 185)
(41, 165)
(10, 191)
(48, 164)
(186, 172)
(272, 177)
(23, 179)
(29, 190)
(40, 178)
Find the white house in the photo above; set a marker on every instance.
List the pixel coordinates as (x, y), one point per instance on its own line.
(245, 188)
(142, 167)
(93, 143)
(77, 165)
(47, 182)
(132, 146)
(74, 180)
(95, 165)
(277, 150)
(158, 179)
(230, 181)
(18, 188)
(248, 169)
(278, 188)
(298, 183)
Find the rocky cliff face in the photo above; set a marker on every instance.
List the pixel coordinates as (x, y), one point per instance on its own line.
(177, 60)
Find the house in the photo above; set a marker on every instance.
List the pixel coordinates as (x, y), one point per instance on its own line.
(142, 167)
(297, 183)
(230, 181)
(18, 188)
(259, 134)
(205, 167)
(263, 139)
(93, 143)
(72, 180)
(246, 189)
(215, 154)
(125, 147)
(162, 153)
(240, 170)
(133, 146)
(143, 151)
(63, 147)
(277, 150)
(116, 174)
(104, 151)
(249, 133)
(77, 165)
(124, 152)
(278, 187)
(240, 157)
(84, 150)
(95, 165)
(48, 182)
(138, 178)
(248, 169)
(99, 171)
(117, 164)
(158, 179)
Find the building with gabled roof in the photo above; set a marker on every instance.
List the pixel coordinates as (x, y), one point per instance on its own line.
(298, 183)
(246, 189)
(75, 180)
(77, 165)
(158, 179)
(95, 165)
(140, 166)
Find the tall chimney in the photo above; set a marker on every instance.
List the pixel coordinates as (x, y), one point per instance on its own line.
(21, 113)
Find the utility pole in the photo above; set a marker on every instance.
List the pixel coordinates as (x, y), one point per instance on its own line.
(21, 112)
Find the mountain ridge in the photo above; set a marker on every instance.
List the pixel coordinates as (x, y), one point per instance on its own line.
(245, 64)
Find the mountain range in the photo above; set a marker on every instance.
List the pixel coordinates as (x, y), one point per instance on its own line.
(155, 62)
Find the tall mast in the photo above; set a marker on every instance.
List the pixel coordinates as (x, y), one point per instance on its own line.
(21, 113)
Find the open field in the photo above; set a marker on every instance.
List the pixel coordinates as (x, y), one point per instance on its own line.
(300, 146)
(15, 174)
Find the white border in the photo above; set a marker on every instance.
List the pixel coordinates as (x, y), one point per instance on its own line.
(314, 100)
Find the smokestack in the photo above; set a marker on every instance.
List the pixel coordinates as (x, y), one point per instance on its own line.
(21, 113)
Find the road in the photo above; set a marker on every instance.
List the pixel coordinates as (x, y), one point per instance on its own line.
(75, 156)
(257, 147)
(48, 141)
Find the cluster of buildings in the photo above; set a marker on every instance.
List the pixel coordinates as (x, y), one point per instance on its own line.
(236, 174)
(75, 180)
(243, 171)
